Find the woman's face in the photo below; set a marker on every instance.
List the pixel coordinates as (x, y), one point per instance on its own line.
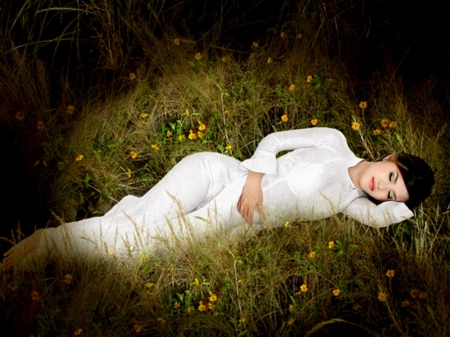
(383, 181)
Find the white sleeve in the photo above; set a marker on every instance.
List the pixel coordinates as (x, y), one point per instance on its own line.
(264, 158)
(382, 215)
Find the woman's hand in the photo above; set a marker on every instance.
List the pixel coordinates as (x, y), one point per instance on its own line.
(251, 197)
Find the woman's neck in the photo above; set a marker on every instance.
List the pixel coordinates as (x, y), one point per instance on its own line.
(356, 171)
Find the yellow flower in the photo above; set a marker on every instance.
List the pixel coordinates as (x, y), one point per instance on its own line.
(12, 287)
(376, 132)
(77, 332)
(284, 118)
(355, 126)
(210, 306)
(304, 288)
(255, 44)
(292, 87)
(336, 292)
(180, 138)
(110, 251)
(363, 105)
(213, 297)
(176, 42)
(192, 135)
(161, 320)
(200, 134)
(198, 56)
(390, 273)
(224, 59)
(314, 121)
(79, 157)
(283, 35)
(227, 111)
(34, 295)
(188, 310)
(298, 36)
(187, 112)
(202, 307)
(68, 279)
(312, 254)
(330, 245)
(133, 154)
(291, 321)
(155, 147)
(202, 126)
(382, 296)
(40, 125)
(169, 134)
(287, 224)
(228, 147)
(423, 295)
(405, 303)
(384, 123)
(309, 78)
(176, 305)
(143, 115)
(132, 76)
(242, 320)
(269, 60)
(19, 116)
(196, 282)
(129, 173)
(70, 109)
(291, 308)
(392, 124)
(137, 328)
(414, 293)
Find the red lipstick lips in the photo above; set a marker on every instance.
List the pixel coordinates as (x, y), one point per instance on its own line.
(372, 184)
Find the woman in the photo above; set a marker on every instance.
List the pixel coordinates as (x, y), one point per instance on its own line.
(206, 193)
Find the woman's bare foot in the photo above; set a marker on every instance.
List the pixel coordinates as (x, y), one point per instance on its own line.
(20, 251)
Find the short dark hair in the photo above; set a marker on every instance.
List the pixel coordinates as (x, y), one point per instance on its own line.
(417, 175)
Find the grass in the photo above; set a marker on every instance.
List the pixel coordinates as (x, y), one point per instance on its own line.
(96, 139)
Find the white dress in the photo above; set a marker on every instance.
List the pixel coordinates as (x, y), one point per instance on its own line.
(198, 198)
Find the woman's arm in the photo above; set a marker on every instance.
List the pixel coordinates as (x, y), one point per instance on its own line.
(251, 197)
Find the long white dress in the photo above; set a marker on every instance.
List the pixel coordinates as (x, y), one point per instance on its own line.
(198, 198)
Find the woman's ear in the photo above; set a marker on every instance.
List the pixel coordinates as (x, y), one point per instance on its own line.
(389, 157)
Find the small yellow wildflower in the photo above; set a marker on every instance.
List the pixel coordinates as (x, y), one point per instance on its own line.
(148, 285)
(255, 44)
(330, 245)
(213, 297)
(198, 56)
(382, 296)
(155, 147)
(187, 112)
(192, 135)
(242, 320)
(291, 321)
(79, 157)
(110, 251)
(202, 126)
(240, 280)
(132, 76)
(169, 134)
(423, 295)
(137, 328)
(312, 254)
(392, 124)
(224, 59)
(202, 307)
(143, 115)
(210, 306)
(376, 132)
(176, 42)
(304, 288)
(188, 310)
(70, 109)
(227, 111)
(129, 173)
(68, 279)
(336, 292)
(180, 138)
(390, 273)
(176, 305)
(384, 123)
(161, 320)
(314, 121)
(228, 147)
(287, 224)
(355, 126)
(19, 116)
(309, 78)
(291, 308)
(133, 154)
(298, 36)
(414, 293)
(34, 295)
(283, 35)
(363, 105)
(292, 87)
(200, 134)
(269, 60)
(78, 332)
(405, 303)
(197, 282)
(12, 287)
(284, 118)
(40, 125)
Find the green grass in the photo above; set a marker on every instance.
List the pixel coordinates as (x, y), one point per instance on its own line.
(119, 124)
